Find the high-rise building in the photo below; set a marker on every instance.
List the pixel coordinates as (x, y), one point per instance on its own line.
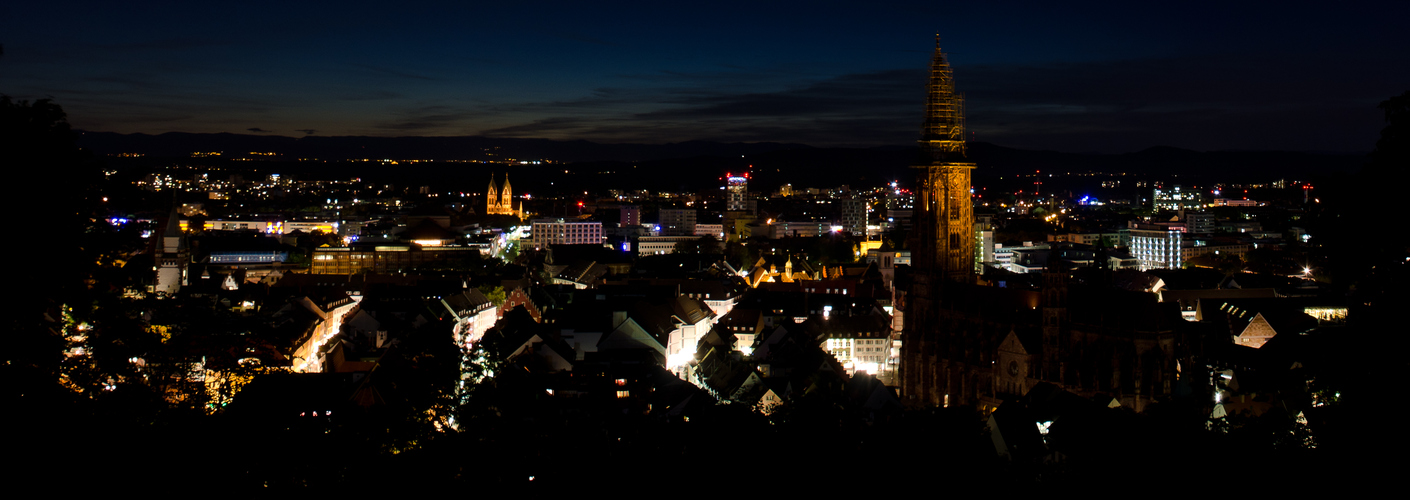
(854, 216)
(738, 193)
(943, 239)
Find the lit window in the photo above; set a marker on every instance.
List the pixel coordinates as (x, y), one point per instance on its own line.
(624, 394)
(621, 381)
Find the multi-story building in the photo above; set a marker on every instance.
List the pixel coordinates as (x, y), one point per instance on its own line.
(983, 246)
(545, 232)
(382, 258)
(1202, 247)
(631, 216)
(1201, 222)
(269, 226)
(716, 230)
(1157, 246)
(329, 227)
(678, 221)
(1240, 226)
(1176, 198)
(801, 229)
(1030, 259)
(854, 216)
(1110, 239)
(738, 198)
(898, 219)
(272, 226)
(1226, 202)
(660, 245)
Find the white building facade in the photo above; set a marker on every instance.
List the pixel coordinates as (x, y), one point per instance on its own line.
(1157, 246)
(545, 232)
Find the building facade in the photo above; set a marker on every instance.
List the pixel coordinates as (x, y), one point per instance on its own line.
(660, 245)
(1176, 198)
(1157, 246)
(631, 216)
(854, 216)
(677, 221)
(545, 232)
(738, 193)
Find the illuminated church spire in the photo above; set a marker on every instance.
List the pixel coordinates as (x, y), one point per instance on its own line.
(491, 198)
(942, 134)
(500, 201)
(944, 179)
(942, 243)
(505, 198)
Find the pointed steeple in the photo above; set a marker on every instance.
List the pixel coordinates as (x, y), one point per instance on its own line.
(505, 198)
(491, 198)
(942, 134)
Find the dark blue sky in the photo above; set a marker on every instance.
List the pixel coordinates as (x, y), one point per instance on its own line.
(1112, 78)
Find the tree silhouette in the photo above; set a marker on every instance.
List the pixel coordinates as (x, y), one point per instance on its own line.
(1393, 149)
(37, 145)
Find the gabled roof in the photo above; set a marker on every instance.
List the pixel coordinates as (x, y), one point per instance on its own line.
(839, 327)
(868, 393)
(471, 300)
(630, 335)
(742, 319)
(584, 272)
(1016, 342)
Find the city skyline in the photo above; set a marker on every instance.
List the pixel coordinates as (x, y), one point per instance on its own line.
(953, 310)
(1086, 79)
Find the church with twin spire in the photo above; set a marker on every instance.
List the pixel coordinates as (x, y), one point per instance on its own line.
(501, 201)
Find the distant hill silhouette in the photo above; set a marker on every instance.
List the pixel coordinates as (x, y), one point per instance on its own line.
(441, 148)
(699, 164)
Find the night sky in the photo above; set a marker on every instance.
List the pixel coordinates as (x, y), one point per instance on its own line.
(1113, 78)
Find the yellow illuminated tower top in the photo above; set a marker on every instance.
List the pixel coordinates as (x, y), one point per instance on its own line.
(945, 225)
(942, 134)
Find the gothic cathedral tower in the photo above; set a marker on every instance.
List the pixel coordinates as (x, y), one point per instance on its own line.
(942, 245)
(943, 178)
